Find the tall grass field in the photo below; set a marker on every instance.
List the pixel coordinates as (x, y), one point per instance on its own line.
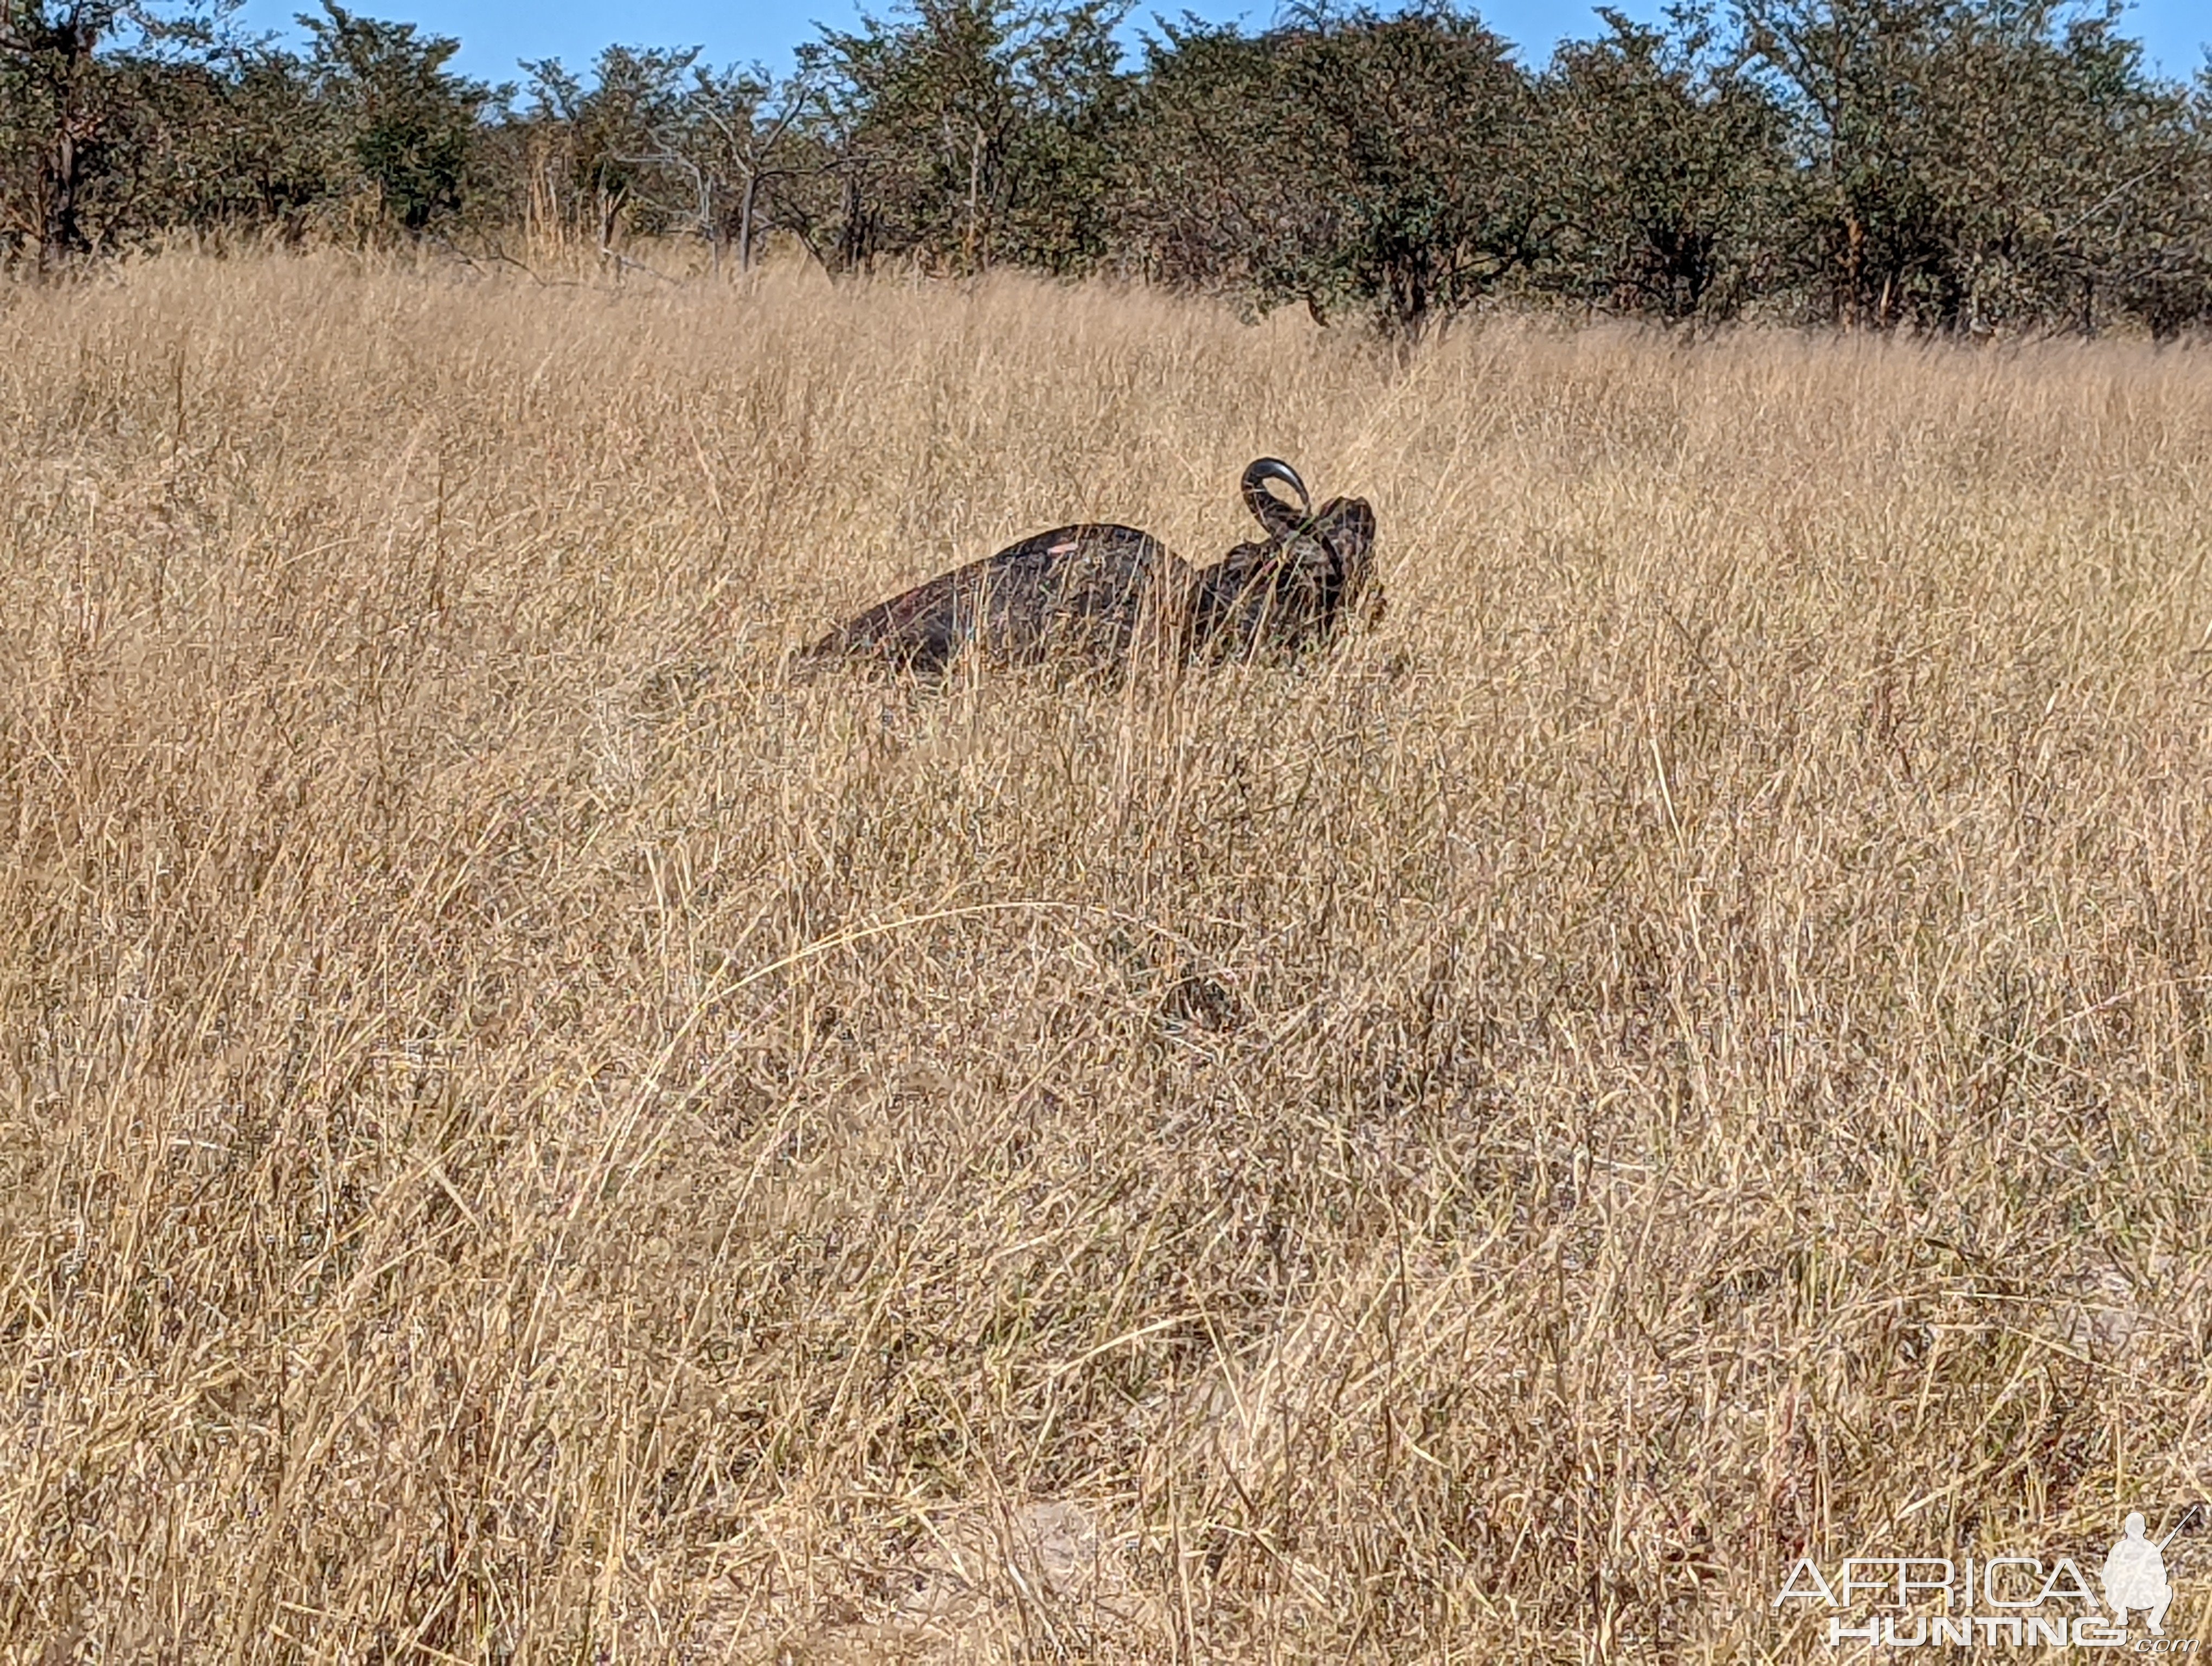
(531, 1130)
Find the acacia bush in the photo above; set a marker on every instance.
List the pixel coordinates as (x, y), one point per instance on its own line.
(1949, 166)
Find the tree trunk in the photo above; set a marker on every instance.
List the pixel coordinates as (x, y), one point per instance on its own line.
(63, 233)
(974, 187)
(1854, 269)
(68, 45)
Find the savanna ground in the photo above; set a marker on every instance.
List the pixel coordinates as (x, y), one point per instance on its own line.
(528, 1131)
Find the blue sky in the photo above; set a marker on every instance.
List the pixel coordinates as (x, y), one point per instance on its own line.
(494, 34)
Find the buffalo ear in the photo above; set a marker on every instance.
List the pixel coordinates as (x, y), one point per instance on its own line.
(1347, 525)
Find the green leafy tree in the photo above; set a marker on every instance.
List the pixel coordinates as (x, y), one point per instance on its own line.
(1207, 192)
(1379, 164)
(1667, 170)
(1970, 162)
(71, 98)
(2153, 242)
(2062, 170)
(410, 122)
(618, 136)
(233, 139)
(966, 133)
(1414, 131)
(662, 144)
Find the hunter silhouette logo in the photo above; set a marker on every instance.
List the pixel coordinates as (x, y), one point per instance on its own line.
(2134, 1577)
(2007, 1601)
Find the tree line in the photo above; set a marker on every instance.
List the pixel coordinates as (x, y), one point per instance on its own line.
(1948, 166)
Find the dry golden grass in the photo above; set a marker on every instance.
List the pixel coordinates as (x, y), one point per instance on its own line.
(527, 1134)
